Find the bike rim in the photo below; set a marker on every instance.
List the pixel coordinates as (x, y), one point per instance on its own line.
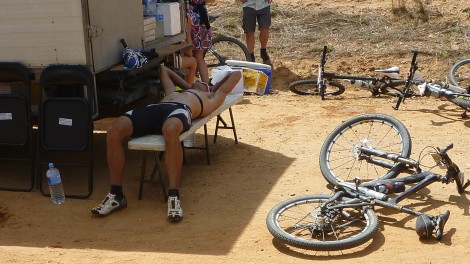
(344, 160)
(304, 225)
(224, 50)
(460, 74)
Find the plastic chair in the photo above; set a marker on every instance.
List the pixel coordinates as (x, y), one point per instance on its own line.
(66, 125)
(16, 142)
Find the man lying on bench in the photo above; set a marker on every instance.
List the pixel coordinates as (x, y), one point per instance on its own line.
(171, 117)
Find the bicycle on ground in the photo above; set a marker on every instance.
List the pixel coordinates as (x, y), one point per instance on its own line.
(457, 95)
(362, 158)
(389, 83)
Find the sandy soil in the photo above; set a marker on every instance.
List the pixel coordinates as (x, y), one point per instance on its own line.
(226, 203)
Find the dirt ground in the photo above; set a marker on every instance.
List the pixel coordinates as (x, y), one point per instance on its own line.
(226, 202)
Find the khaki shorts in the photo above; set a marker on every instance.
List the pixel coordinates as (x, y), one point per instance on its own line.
(250, 16)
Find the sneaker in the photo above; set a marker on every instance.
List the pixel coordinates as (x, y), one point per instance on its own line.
(175, 213)
(266, 60)
(109, 204)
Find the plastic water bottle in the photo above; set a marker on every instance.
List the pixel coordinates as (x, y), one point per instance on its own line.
(189, 141)
(147, 10)
(55, 185)
(159, 17)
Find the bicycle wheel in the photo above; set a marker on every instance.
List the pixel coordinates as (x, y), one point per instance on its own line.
(309, 87)
(462, 100)
(459, 74)
(225, 48)
(299, 222)
(339, 155)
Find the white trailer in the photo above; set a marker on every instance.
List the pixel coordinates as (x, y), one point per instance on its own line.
(39, 33)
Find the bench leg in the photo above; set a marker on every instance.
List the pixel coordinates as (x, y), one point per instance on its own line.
(156, 169)
(206, 142)
(225, 126)
(142, 174)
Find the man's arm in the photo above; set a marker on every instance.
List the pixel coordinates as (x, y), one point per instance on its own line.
(169, 79)
(226, 85)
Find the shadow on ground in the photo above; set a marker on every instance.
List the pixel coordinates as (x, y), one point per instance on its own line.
(219, 201)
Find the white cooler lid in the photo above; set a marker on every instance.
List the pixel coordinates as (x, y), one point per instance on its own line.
(247, 64)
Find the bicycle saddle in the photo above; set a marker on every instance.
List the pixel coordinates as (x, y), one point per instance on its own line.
(392, 72)
(440, 222)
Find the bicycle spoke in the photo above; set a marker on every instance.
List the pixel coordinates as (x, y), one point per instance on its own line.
(324, 227)
(343, 157)
(300, 220)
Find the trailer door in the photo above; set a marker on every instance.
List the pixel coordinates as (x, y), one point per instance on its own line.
(111, 21)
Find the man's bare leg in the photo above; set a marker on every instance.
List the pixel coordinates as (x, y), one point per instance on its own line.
(264, 37)
(118, 132)
(189, 63)
(201, 65)
(171, 130)
(250, 41)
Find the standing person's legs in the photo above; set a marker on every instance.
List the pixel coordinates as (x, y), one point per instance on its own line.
(201, 65)
(264, 37)
(264, 23)
(250, 42)
(189, 63)
(249, 27)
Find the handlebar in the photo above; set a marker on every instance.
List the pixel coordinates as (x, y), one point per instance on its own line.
(445, 159)
(453, 171)
(411, 73)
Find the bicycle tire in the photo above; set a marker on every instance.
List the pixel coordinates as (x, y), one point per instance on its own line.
(459, 74)
(225, 48)
(309, 87)
(462, 101)
(297, 222)
(339, 161)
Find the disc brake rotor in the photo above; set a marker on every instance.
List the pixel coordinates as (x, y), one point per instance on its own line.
(365, 143)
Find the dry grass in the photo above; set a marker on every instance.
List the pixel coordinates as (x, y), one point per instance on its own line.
(404, 25)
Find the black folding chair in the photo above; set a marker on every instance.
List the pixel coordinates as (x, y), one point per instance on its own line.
(16, 141)
(66, 127)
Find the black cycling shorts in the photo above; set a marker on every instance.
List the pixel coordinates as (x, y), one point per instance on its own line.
(150, 119)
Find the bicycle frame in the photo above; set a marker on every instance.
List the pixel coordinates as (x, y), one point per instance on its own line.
(453, 94)
(323, 76)
(368, 197)
(422, 179)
